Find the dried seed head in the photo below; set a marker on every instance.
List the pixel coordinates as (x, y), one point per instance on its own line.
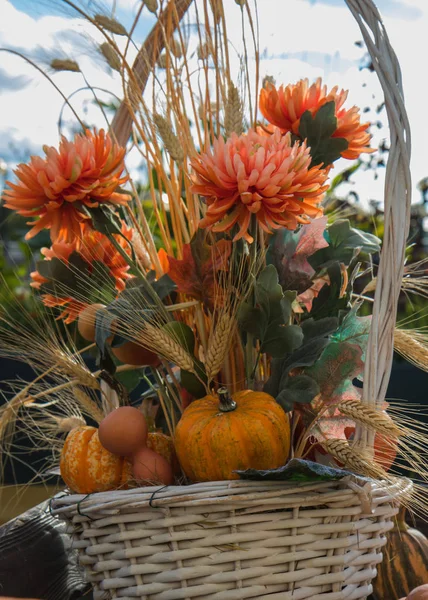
(413, 346)
(166, 346)
(151, 5)
(111, 56)
(69, 423)
(168, 137)
(64, 64)
(354, 459)
(372, 419)
(240, 2)
(162, 61)
(203, 51)
(233, 118)
(267, 81)
(219, 345)
(176, 48)
(110, 24)
(87, 405)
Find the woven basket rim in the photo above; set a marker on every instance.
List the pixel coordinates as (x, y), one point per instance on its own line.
(371, 492)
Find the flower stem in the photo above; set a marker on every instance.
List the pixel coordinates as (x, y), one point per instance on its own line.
(250, 366)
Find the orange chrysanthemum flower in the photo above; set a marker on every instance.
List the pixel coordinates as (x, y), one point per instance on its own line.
(284, 107)
(262, 175)
(92, 247)
(56, 190)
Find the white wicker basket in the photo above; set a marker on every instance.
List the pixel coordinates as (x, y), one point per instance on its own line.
(233, 540)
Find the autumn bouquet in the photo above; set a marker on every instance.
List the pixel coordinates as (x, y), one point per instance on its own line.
(241, 316)
(225, 301)
(227, 307)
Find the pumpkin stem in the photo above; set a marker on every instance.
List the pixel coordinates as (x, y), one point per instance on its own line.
(400, 524)
(226, 402)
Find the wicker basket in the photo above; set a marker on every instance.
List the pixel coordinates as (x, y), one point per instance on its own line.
(233, 540)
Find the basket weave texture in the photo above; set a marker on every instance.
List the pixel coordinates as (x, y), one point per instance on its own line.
(273, 540)
(233, 539)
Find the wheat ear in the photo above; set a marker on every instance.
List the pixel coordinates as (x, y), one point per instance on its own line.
(219, 345)
(167, 347)
(350, 458)
(372, 419)
(110, 24)
(87, 405)
(169, 138)
(111, 56)
(410, 345)
(233, 118)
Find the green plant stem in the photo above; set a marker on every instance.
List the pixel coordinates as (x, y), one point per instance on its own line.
(250, 367)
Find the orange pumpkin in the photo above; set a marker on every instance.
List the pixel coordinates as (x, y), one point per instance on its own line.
(218, 435)
(87, 467)
(405, 563)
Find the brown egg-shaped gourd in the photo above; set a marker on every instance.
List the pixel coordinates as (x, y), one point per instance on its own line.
(419, 593)
(123, 431)
(164, 445)
(405, 562)
(86, 321)
(150, 468)
(217, 436)
(87, 467)
(131, 353)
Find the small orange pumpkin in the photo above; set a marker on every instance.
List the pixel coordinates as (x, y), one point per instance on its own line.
(217, 436)
(87, 467)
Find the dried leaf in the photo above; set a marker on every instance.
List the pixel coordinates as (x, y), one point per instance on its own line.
(195, 273)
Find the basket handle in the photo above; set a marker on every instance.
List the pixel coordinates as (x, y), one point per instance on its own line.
(397, 192)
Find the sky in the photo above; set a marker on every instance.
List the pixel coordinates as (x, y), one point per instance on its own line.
(298, 38)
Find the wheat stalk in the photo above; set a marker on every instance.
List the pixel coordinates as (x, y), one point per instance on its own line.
(412, 345)
(152, 5)
(372, 419)
(359, 462)
(233, 118)
(111, 55)
(167, 347)
(77, 370)
(218, 345)
(110, 24)
(88, 406)
(169, 138)
(64, 64)
(66, 424)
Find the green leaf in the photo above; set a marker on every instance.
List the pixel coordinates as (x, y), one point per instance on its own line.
(300, 389)
(192, 384)
(251, 320)
(317, 130)
(164, 286)
(329, 300)
(344, 241)
(130, 379)
(268, 320)
(298, 470)
(316, 336)
(105, 220)
(280, 340)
